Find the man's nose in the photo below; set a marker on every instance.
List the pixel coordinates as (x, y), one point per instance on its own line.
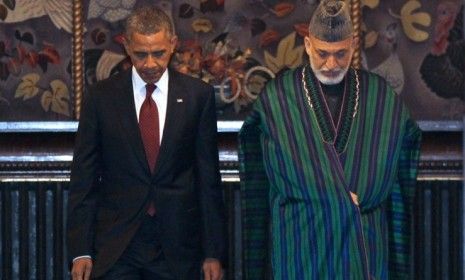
(331, 62)
(150, 61)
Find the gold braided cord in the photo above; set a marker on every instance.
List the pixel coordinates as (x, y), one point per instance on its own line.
(78, 56)
(356, 15)
(357, 90)
(310, 102)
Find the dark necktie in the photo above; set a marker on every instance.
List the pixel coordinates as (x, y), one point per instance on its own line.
(150, 132)
(149, 127)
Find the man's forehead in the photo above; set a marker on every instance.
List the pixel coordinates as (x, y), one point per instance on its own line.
(152, 42)
(322, 45)
(159, 35)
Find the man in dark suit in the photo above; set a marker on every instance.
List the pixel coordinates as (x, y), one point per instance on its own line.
(145, 199)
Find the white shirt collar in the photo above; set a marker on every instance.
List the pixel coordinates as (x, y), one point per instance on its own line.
(139, 84)
(160, 96)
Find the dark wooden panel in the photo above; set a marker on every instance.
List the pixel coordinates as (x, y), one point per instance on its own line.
(36, 165)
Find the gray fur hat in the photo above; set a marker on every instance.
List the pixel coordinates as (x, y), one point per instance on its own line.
(331, 21)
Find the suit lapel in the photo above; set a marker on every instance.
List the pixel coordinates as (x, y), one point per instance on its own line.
(127, 114)
(174, 115)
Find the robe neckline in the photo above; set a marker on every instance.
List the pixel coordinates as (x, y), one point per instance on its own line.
(335, 134)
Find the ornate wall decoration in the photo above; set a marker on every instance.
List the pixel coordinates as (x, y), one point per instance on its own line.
(35, 51)
(235, 45)
(419, 48)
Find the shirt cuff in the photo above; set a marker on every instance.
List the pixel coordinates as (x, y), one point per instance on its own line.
(82, 257)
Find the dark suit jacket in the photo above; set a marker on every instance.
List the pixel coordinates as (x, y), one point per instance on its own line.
(111, 185)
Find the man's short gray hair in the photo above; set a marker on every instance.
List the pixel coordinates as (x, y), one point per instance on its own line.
(148, 19)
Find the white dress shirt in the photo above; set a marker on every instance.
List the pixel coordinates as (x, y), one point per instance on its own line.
(159, 95)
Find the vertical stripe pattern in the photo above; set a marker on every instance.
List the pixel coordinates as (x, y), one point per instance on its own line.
(298, 215)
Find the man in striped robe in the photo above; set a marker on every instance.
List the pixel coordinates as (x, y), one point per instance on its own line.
(328, 161)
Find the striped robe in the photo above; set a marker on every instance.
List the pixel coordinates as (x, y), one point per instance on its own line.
(297, 172)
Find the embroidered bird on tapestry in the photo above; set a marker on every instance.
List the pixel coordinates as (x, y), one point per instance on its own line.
(59, 12)
(116, 10)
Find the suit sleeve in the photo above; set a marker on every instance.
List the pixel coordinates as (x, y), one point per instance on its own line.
(83, 186)
(209, 183)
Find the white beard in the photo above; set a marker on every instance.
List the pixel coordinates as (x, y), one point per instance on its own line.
(327, 80)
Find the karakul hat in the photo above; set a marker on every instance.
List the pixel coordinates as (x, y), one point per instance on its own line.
(331, 21)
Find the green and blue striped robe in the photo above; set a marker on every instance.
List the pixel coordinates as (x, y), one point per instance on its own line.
(297, 171)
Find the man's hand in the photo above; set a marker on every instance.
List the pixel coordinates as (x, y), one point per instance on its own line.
(212, 269)
(81, 269)
(354, 198)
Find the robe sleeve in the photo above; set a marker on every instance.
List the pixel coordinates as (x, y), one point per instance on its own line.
(400, 202)
(254, 199)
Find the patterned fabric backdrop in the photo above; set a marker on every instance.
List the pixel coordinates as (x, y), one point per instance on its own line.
(419, 47)
(237, 46)
(35, 51)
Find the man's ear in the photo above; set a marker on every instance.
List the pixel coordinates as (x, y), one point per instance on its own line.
(174, 43)
(126, 43)
(307, 44)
